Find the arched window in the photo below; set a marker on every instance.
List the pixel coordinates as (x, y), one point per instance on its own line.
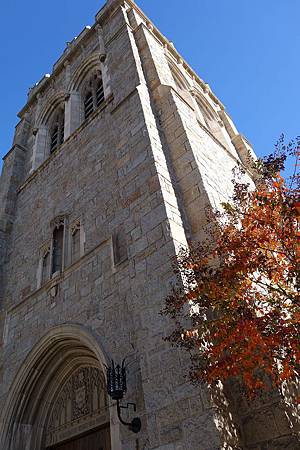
(58, 243)
(57, 130)
(93, 94)
(88, 104)
(99, 92)
(212, 121)
(181, 79)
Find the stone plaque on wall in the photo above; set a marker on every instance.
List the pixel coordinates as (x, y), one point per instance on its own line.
(81, 405)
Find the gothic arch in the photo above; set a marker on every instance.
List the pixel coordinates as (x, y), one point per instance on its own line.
(205, 106)
(180, 79)
(210, 118)
(63, 350)
(89, 64)
(52, 104)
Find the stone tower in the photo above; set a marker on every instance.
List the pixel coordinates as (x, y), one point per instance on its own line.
(116, 156)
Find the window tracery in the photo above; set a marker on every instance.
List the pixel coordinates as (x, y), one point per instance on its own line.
(82, 401)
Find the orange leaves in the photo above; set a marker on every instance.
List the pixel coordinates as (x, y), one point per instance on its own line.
(245, 284)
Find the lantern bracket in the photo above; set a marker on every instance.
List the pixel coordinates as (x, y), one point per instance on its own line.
(135, 424)
(116, 388)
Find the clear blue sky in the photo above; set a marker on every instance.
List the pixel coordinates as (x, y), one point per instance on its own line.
(247, 50)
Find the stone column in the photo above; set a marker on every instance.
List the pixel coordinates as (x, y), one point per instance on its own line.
(72, 113)
(41, 147)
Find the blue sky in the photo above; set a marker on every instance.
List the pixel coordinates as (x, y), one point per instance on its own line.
(247, 50)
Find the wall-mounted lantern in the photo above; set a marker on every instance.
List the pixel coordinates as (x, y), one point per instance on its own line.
(116, 388)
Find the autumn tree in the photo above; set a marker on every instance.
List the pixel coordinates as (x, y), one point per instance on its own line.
(236, 308)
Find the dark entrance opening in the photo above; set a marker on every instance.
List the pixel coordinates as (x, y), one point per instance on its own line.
(95, 440)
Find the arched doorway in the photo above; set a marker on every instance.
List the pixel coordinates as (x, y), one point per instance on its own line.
(58, 399)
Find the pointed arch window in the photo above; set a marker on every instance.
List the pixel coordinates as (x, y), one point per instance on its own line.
(88, 104)
(212, 121)
(57, 130)
(99, 92)
(58, 238)
(93, 94)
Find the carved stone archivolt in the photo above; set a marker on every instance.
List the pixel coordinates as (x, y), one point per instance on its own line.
(80, 406)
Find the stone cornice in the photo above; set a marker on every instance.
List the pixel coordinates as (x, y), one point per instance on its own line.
(57, 68)
(107, 11)
(172, 50)
(71, 49)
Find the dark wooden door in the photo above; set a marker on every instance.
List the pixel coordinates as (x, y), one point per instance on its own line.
(96, 440)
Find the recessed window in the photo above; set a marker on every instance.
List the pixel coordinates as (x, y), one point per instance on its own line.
(99, 93)
(88, 104)
(58, 244)
(57, 130)
(93, 95)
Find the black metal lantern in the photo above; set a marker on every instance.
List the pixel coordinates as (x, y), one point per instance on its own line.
(116, 388)
(116, 381)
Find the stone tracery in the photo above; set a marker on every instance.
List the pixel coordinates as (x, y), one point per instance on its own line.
(81, 400)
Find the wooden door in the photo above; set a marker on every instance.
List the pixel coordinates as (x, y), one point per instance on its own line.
(96, 440)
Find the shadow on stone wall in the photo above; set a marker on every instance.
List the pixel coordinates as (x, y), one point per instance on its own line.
(267, 422)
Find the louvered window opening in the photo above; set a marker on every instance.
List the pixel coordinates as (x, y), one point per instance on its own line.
(88, 104)
(94, 97)
(54, 140)
(99, 93)
(58, 132)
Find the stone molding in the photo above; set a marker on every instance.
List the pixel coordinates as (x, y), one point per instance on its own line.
(80, 403)
(63, 349)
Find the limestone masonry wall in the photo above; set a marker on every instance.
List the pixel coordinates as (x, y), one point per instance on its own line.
(136, 177)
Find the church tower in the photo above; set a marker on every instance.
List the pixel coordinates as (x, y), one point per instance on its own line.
(117, 155)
